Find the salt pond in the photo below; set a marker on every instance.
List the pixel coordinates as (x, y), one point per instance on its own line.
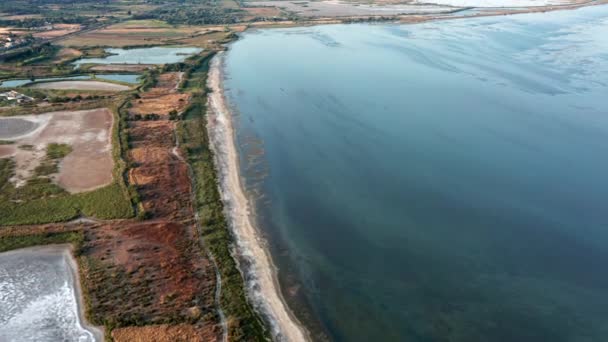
(126, 78)
(22, 82)
(38, 298)
(153, 55)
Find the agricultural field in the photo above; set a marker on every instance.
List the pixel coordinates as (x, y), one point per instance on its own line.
(136, 33)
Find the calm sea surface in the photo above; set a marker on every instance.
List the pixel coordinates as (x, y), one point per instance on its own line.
(445, 181)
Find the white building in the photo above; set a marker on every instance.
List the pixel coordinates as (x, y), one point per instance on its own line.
(16, 96)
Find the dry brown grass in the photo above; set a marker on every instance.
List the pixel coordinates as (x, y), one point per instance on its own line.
(66, 54)
(207, 39)
(134, 33)
(163, 98)
(263, 12)
(164, 333)
(58, 31)
(161, 105)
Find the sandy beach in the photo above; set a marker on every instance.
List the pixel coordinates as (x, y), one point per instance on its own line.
(64, 251)
(263, 287)
(67, 252)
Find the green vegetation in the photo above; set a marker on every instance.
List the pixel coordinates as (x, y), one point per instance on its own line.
(121, 153)
(149, 79)
(46, 168)
(41, 201)
(6, 170)
(31, 54)
(11, 242)
(57, 151)
(192, 132)
(56, 12)
(195, 13)
(54, 153)
(6, 142)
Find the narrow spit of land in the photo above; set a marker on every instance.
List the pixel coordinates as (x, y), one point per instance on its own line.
(267, 293)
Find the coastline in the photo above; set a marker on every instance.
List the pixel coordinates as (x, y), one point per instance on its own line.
(65, 250)
(262, 278)
(98, 332)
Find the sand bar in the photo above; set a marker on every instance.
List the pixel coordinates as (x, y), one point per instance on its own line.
(263, 288)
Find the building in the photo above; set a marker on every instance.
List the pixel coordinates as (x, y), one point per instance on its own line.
(16, 96)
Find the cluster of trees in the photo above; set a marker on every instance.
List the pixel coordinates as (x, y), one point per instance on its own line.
(37, 52)
(146, 117)
(148, 79)
(173, 115)
(32, 23)
(60, 99)
(176, 15)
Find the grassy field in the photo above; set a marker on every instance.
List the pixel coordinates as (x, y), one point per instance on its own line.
(145, 32)
(8, 243)
(192, 132)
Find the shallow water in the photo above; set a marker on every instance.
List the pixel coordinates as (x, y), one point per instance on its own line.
(11, 128)
(153, 55)
(435, 182)
(37, 298)
(127, 78)
(22, 82)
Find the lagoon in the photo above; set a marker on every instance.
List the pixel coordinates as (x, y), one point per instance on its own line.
(125, 78)
(39, 297)
(443, 181)
(152, 55)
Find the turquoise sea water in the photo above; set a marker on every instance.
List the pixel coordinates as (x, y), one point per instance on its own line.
(446, 181)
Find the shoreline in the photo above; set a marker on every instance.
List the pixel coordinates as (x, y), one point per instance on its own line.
(425, 17)
(263, 287)
(66, 250)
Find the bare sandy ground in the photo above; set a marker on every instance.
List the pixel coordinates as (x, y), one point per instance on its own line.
(87, 167)
(267, 294)
(80, 85)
